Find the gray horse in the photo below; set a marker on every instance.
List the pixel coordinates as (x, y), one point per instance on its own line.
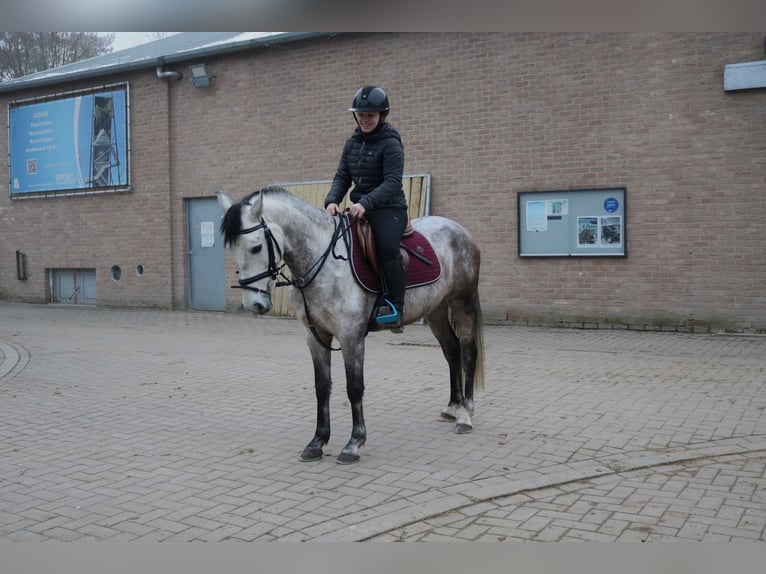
(272, 225)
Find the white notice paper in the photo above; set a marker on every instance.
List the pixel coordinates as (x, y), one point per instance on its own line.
(537, 220)
(207, 233)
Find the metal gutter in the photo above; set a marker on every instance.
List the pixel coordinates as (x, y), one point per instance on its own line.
(49, 77)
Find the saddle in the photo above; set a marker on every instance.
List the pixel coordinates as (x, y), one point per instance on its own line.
(421, 263)
(369, 248)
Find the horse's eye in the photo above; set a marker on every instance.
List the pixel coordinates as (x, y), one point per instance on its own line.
(256, 249)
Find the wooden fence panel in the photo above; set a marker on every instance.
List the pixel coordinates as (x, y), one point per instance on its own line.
(416, 190)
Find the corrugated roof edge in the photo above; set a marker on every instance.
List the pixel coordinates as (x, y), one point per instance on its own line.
(91, 68)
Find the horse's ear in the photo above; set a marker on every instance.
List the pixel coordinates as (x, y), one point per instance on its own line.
(258, 202)
(254, 206)
(223, 200)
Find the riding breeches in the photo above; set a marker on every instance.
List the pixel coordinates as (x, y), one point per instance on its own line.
(388, 225)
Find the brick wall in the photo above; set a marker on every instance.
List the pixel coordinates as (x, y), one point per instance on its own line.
(488, 115)
(99, 231)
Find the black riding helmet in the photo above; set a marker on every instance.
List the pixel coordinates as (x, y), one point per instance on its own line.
(370, 99)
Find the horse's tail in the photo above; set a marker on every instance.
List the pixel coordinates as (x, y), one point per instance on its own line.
(478, 337)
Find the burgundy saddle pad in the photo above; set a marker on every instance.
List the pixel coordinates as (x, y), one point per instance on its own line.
(419, 272)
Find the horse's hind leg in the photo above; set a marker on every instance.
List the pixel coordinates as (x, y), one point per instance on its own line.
(467, 321)
(320, 356)
(439, 323)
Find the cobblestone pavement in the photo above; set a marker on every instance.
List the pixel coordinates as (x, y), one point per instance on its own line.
(145, 425)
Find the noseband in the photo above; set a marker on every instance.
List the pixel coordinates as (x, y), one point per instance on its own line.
(273, 269)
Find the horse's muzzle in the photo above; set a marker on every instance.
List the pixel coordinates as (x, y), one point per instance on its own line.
(258, 304)
(260, 309)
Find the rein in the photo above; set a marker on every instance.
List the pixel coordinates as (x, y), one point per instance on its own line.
(274, 270)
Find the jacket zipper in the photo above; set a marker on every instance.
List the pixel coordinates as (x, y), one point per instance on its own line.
(359, 162)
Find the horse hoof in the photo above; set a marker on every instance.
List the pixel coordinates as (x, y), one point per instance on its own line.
(310, 454)
(347, 458)
(449, 413)
(462, 428)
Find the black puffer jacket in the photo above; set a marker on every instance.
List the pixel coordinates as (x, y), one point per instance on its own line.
(374, 164)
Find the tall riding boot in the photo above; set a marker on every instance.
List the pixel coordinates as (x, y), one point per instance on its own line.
(394, 280)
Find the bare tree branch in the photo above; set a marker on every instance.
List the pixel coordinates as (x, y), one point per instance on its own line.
(23, 53)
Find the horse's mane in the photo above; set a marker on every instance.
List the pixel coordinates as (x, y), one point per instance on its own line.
(231, 225)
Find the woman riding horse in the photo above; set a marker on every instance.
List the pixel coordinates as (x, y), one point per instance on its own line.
(373, 160)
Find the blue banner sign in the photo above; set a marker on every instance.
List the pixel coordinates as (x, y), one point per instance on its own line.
(74, 143)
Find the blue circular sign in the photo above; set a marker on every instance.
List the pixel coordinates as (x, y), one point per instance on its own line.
(611, 204)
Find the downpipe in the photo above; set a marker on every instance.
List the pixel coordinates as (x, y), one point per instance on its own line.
(168, 74)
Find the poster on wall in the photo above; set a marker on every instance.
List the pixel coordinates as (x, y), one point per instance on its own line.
(587, 231)
(599, 231)
(75, 142)
(610, 234)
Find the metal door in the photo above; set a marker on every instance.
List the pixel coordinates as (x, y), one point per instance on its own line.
(63, 288)
(207, 285)
(86, 286)
(76, 286)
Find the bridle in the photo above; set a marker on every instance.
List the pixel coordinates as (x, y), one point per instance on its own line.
(274, 270)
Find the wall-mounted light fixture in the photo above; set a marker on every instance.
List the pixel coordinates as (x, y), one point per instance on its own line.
(199, 76)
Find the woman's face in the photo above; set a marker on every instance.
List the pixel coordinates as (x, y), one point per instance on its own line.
(368, 121)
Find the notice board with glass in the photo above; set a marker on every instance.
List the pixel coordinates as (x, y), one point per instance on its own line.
(572, 223)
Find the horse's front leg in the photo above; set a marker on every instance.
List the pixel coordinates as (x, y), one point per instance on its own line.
(320, 356)
(353, 359)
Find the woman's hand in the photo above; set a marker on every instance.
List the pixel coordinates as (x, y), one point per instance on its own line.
(357, 210)
(332, 208)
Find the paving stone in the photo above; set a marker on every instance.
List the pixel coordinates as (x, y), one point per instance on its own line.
(148, 425)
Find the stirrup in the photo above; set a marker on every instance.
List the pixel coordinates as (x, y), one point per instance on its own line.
(387, 313)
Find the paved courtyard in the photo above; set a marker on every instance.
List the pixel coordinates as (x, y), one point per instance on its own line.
(144, 425)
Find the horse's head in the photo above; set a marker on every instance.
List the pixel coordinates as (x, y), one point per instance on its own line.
(256, 248)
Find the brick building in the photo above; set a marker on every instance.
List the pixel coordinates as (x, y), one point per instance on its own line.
(489, 116)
